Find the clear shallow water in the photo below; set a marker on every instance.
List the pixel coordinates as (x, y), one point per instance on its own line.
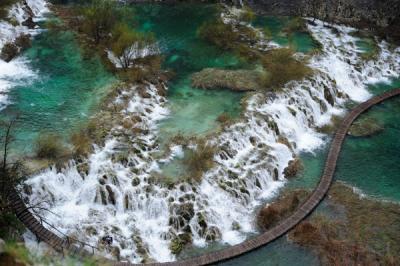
(64, 90)
(193, 111)
(372, 163)
(300, 41)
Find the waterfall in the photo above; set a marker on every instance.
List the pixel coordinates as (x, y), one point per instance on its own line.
(120, 197)
(17, 71)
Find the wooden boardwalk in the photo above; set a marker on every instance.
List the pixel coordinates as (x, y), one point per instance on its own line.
(83, 250)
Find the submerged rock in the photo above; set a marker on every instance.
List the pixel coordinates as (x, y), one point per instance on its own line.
(365, 127)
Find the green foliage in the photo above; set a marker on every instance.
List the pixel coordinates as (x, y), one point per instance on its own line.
(19, 252)
(218, 33)
(99, 18)
(126, 41)
(267, 33)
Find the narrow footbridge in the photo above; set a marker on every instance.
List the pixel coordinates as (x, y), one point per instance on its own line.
(80, 249)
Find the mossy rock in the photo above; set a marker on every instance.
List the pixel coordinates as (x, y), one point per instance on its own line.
(179, 242)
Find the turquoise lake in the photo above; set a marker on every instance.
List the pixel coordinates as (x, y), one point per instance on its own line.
(70, 83)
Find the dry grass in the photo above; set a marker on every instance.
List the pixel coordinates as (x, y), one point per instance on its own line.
(247, 15)
(50, 146)
(224, 118)
(272, 214)
(236, 80)
(144, 69)
(200, 159)
(283, 67)
(81, 142)
(360, 239)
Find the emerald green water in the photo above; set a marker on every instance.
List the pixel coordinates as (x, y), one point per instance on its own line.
(300, 41)
(368, 163)
(193, 111)
(67, 86)
(70, 83)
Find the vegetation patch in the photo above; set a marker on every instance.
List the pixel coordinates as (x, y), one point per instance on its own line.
(286, 204)
(360, 239)
(219, 34)
(199, 159)
(365, 127)
(236, 80)
(283, 67)
(50, 146)
(275, 68)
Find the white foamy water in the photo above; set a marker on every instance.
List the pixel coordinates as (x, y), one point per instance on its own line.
(119, 195)
(17, 71)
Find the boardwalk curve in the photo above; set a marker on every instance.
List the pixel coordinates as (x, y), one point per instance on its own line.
(83, 250)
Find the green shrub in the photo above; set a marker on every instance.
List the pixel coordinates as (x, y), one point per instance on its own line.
(123, 37)
(99, 18)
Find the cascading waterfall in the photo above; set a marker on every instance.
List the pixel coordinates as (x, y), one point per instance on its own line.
(119, 196)
(18, 71)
